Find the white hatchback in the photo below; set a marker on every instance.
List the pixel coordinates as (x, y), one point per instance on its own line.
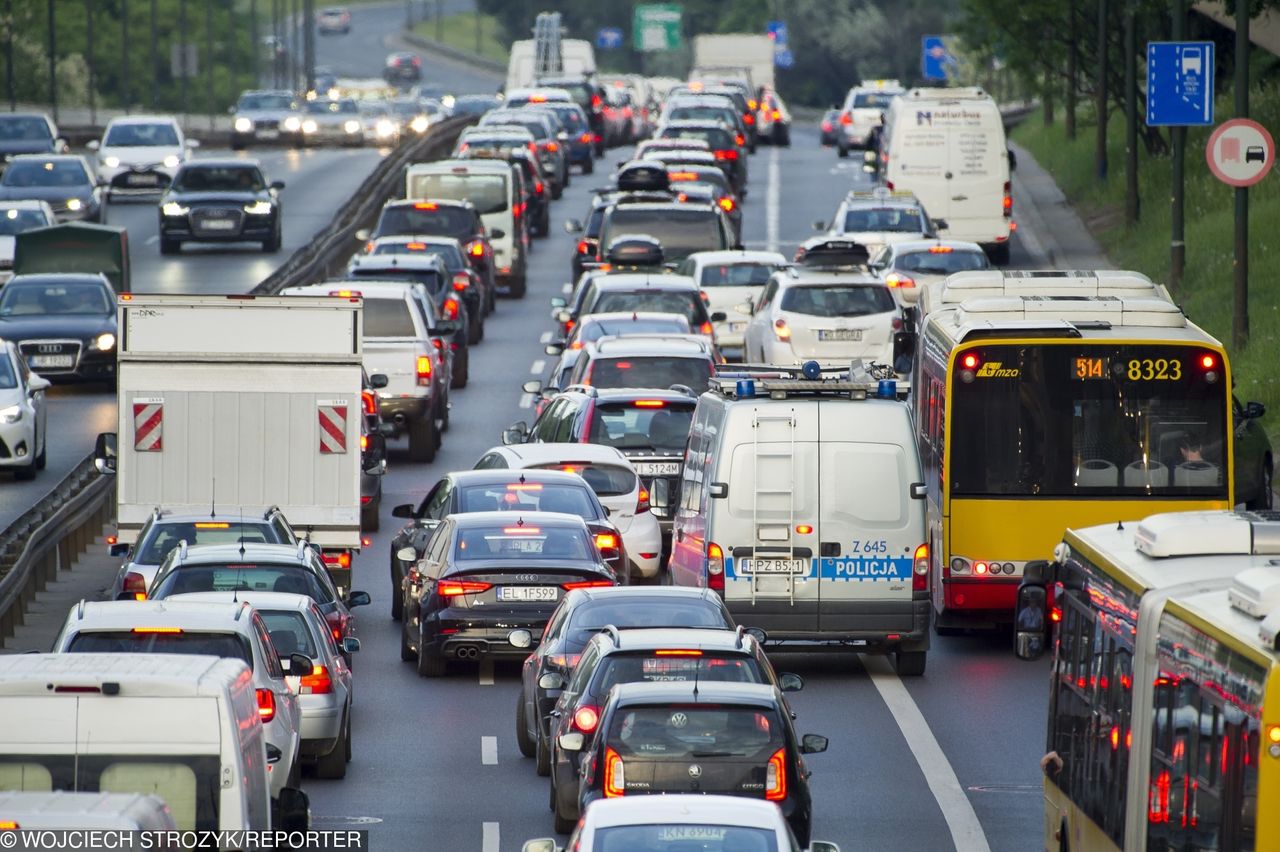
(140, 154)
(728, 279)
(23, 412)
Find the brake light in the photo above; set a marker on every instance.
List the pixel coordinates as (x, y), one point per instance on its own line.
(752, 103)
(476, 249)
(604, 540)
(424, 369)
(896, 280)
(888, 184)
(642, 501)
(364, 445)
(920, 569)
(726, 204)
(706, 329)
(212, 525)
(846, 118)
(157, 630)
(111, 539)
(677, 652)
(438, 344)
(450, 308)
(461, 281)
(776, 115)
(368, 402)
(552, 146)
(970, 361)
(586, 137)
(454, 588)
(584, 247)
(614, 778)
(425, 205)
(564, 662)
(522, 530)
(781, 330)
(650, 403)
(266, 705)
(1008, 199)
(728, 154)
(775, 777)
(586, 584)
(135, 584)
(595, 101)
(715, 567)
(940, 249)
(316, 683)
(537, 187)
(586, 718)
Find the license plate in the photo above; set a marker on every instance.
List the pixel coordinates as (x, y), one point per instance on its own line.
(528, 593)
(657, 468)
(142, 180)
(737, 326)
(838, 334)
(773, 566)
(37, 361)
(268, 134)
(218, 225)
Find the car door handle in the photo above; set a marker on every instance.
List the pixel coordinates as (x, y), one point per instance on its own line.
(959, 198)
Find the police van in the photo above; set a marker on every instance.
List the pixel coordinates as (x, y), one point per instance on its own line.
(802, 503)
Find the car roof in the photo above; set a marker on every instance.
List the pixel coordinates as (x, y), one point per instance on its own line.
(234, 515)
(439, 202)
(448, 166)
(666, 207)
(247, 552)
(800, 276)
(499, 476)
(257, 600)
(873, 203)
(629, 345)
(552, 452)
(189, 615)
(689, 692)
(697, 638)
(924, 245)
(384, 262)
(705, 258)
(79, 158)
(684, 809)
(697, 124)
(543, 519)
(644, 281)
(74, 278)
(365, 289)
(685, 592)
(143, 119)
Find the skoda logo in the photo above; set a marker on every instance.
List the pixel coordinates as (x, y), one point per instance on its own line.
(695, 771)
(50, 348)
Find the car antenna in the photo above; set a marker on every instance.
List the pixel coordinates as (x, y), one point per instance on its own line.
(522, 478)
(697, 668)
(235, 591)
(213, 497)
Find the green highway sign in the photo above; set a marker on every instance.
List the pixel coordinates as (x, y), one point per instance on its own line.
(656, 26)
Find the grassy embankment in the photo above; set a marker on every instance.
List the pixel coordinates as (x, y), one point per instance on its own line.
(459, 31)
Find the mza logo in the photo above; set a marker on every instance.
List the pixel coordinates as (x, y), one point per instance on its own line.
(997, 370)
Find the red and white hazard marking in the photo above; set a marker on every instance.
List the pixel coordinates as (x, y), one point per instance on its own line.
(333, 426)
(148, 425)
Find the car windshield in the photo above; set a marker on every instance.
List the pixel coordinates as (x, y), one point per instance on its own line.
(869, 100)
(716, 138)
(650, 372)
(672, 324)
(428, 220)
(652, 424)
(676, 837)
(572, 118)
(21, 128)
(450, 254)
(942, 260)
(488, 192)
(242, 577)
(344, 107)
(736, 274)
(163, 537)
(528, 497)
(162, 641)
(682, 731)
(264, 102)
(14, 221)
(906, 220)
(219, 179)
(59, 299)
(474, 105)
(374, 108)
(408, 109)
(685, 303)
(679, 173)
(838, 300)
(681, 232)
(606, 480)
(387, 318)
(519, 540)
(648, 667)
(141, 135)
(25, 173)
(289, 633)
(430, 278)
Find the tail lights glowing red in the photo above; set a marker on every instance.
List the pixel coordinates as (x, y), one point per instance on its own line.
(450, 309)
(316, 683)
(456, 588)
(726, 204)
(940, 249)
(614, 778)
(461, 281)
(706, 328)
(781, 330)
(920, 569)
(604, 540)
(476, 249)
(584, 247)
(1208, 362)
(586, 718)
(586, 584)
(728, 154)
(364, 443)
(846, 118)
(970, 361)
(650, 403)
(715, 567)
(677, 652)
(266, 705)
(1008, 199)
(775, 778)
(424, 369)
(898, 281)
(642, 501)
(426, 205)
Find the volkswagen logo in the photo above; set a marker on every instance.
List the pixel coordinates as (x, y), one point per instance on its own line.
(50, 348)
(695, 771)
(678, 720)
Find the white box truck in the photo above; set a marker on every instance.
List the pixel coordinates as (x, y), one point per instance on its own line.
(577, 59)
(716, 56)
(241, 401)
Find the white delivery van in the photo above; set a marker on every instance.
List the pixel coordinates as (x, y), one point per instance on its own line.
(577, 59)
(491, 189)
(802, 502)
(183, 728)
(746, 55)
(229, 401)
(948, 147)
(60, 811)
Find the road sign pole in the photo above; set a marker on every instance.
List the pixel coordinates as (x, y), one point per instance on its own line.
(1177, 245)
(1131, 209)
(53, 63)
(1240, 320)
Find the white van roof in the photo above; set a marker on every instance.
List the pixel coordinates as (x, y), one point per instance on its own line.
(137, 675)
(947, 95)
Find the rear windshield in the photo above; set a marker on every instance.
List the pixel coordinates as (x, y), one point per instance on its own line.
(736, 275)
(606, 480)
(838, 300)
(572, 119)
(716, 139)
(644, 424)
(681, 232)
(942, 262)
(523, 541)
(868, 100)
(642, 325)
(647, 612)
(657, 667)
(289, 633)
(165, 537)
(487, 192)
(456, 222)
(895, 219)
(680, 173)
(430, 278)
(139, 641)
(683, 303)
(579, 91)
(696, 113)
(680, 731)
(594, 221)
(14, 221)
(651, 372)
(652, 837)
(451, 255)
(388, 318)
(537, 128)
(244, 577)
(529, 497)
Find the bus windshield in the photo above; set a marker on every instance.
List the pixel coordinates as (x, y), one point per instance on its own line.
(1088, 421)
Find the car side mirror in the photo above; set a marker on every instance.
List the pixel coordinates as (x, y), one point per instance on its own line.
(660, 494)
(558, 302)
(542, 844)
(193, 143)
(277, 185)
(790, 682)
(1013, 160)
(93, 144)
(358, 599)
(299, 664)
(819, 225)
(118, 549)
(35, 384)
(719, 316)
(553, 348)
(497, 234)
(104, 453)
(350, 644)
(363, 234)
(1030, 638)
(404, 510)
(941, 224)
(551, 681)
(572, 742)
(378, 381)
(520, 638)
(532, 386)
(231, 110)
(573, 226)
(407, 554)
(447, 327)
(1254, 410)
(813, 744)
(273, 753)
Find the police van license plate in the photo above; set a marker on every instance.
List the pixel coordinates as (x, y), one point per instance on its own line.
(527, 593)
(657, 468)
(38, 361)
(772, 566)
(840, 334)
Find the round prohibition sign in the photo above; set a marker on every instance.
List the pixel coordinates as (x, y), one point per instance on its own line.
(1240, 152)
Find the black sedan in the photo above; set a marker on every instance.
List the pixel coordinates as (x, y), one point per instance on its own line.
(488, 583)
(63, 180)
(64, 324)
(467, 491)
(220, 201)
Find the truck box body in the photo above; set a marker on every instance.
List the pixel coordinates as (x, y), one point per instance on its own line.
(577, 59)
(228, 401)
(718, 55)
(75, 247)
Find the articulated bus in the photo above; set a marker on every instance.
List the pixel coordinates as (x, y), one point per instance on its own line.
(1164, 707)
(1035, 413)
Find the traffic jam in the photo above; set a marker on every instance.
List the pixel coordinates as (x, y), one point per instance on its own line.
(734, 457)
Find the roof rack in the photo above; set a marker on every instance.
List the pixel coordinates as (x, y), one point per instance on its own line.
(832, 254)
(862, 379)
(880, 193)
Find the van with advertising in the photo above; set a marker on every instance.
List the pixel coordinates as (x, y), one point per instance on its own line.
(181, 727)
(948, 147)
(802, 503)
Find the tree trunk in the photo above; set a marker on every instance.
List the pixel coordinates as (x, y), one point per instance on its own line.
(1103, 105)
(1072, 38)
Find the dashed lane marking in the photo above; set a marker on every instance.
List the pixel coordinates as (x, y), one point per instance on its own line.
(486, 672)
(489, 751)
(526, 400)
(545, 338)
(491, 838)
(538, 366)
(773, 199)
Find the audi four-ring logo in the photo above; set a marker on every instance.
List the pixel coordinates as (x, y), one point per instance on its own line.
(526, 578)
(48, 348)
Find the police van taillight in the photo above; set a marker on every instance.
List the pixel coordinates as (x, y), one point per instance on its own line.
(920, 569)
(715, 567)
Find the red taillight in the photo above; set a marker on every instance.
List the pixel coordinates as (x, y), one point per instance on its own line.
(715, 567)
(135, 584)
(424, 369)
(425, 205)
(584, 247)
(537, 187)
(595, 101)
(1208, 361)
(846, 118)
(341, 559)
(368, 402)
(364, 445)
(826, 127)
(461, 281)
(450, 309)
(454, 588)
(614, 779)
(726, 204)
(586, 584)
(586, 718)
(266, 705)
(650, 403)
(642, 501)
(740, 139)
(111, 539)
(970, 361)
(776, 115)
(775, 779)
(1008, 199)
(586, 137)
(706, 329)
(476, 249)
(896, 280)
(920, 569)
(316, 683)
(677, 652)
(728, 154)
(781, 330)
(604, 540)
(1055, 614)
(438, 344)
(552, 146)
(888, 184)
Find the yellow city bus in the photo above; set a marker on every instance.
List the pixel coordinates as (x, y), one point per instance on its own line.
(1036, 413)
(1164, 707)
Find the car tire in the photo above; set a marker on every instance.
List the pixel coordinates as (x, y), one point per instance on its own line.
(26, 473)
(406, 652)
(42, 458)
(841, 151)
(461, 372)
(430, 666)
(272, 245)
(334, 764)
(909, 663)
(475, 328)
(784, 137)
(443, 417)
(369, 521)
(563, 825)
(397, 608)
(527, 746)
(999, 254)
(589, 166)
(542, 755)
(237, 144)
(346, 751)
(1265, 496)
(170, 246)
(424, 439)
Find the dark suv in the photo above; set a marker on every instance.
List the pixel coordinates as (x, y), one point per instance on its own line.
(438, 218)
(681, 227)
(587, 95)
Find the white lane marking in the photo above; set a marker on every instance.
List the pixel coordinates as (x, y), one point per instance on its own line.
(153, 239)
(567, 288)
(489, 751)
(486, 672)
(545, 338)
(773, 199)
(526, 400)
(491, 838)
(538, 366)
(966, 830)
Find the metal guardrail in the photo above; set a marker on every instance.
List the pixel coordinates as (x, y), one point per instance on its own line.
(52, 533)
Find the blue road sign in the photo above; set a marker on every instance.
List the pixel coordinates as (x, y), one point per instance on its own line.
(777, 33)
(1179, 83)
(934, 58)
(609, 38)
(784, 58)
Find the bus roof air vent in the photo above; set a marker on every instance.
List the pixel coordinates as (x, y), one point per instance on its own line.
(1256, 592)
(1194, 534)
